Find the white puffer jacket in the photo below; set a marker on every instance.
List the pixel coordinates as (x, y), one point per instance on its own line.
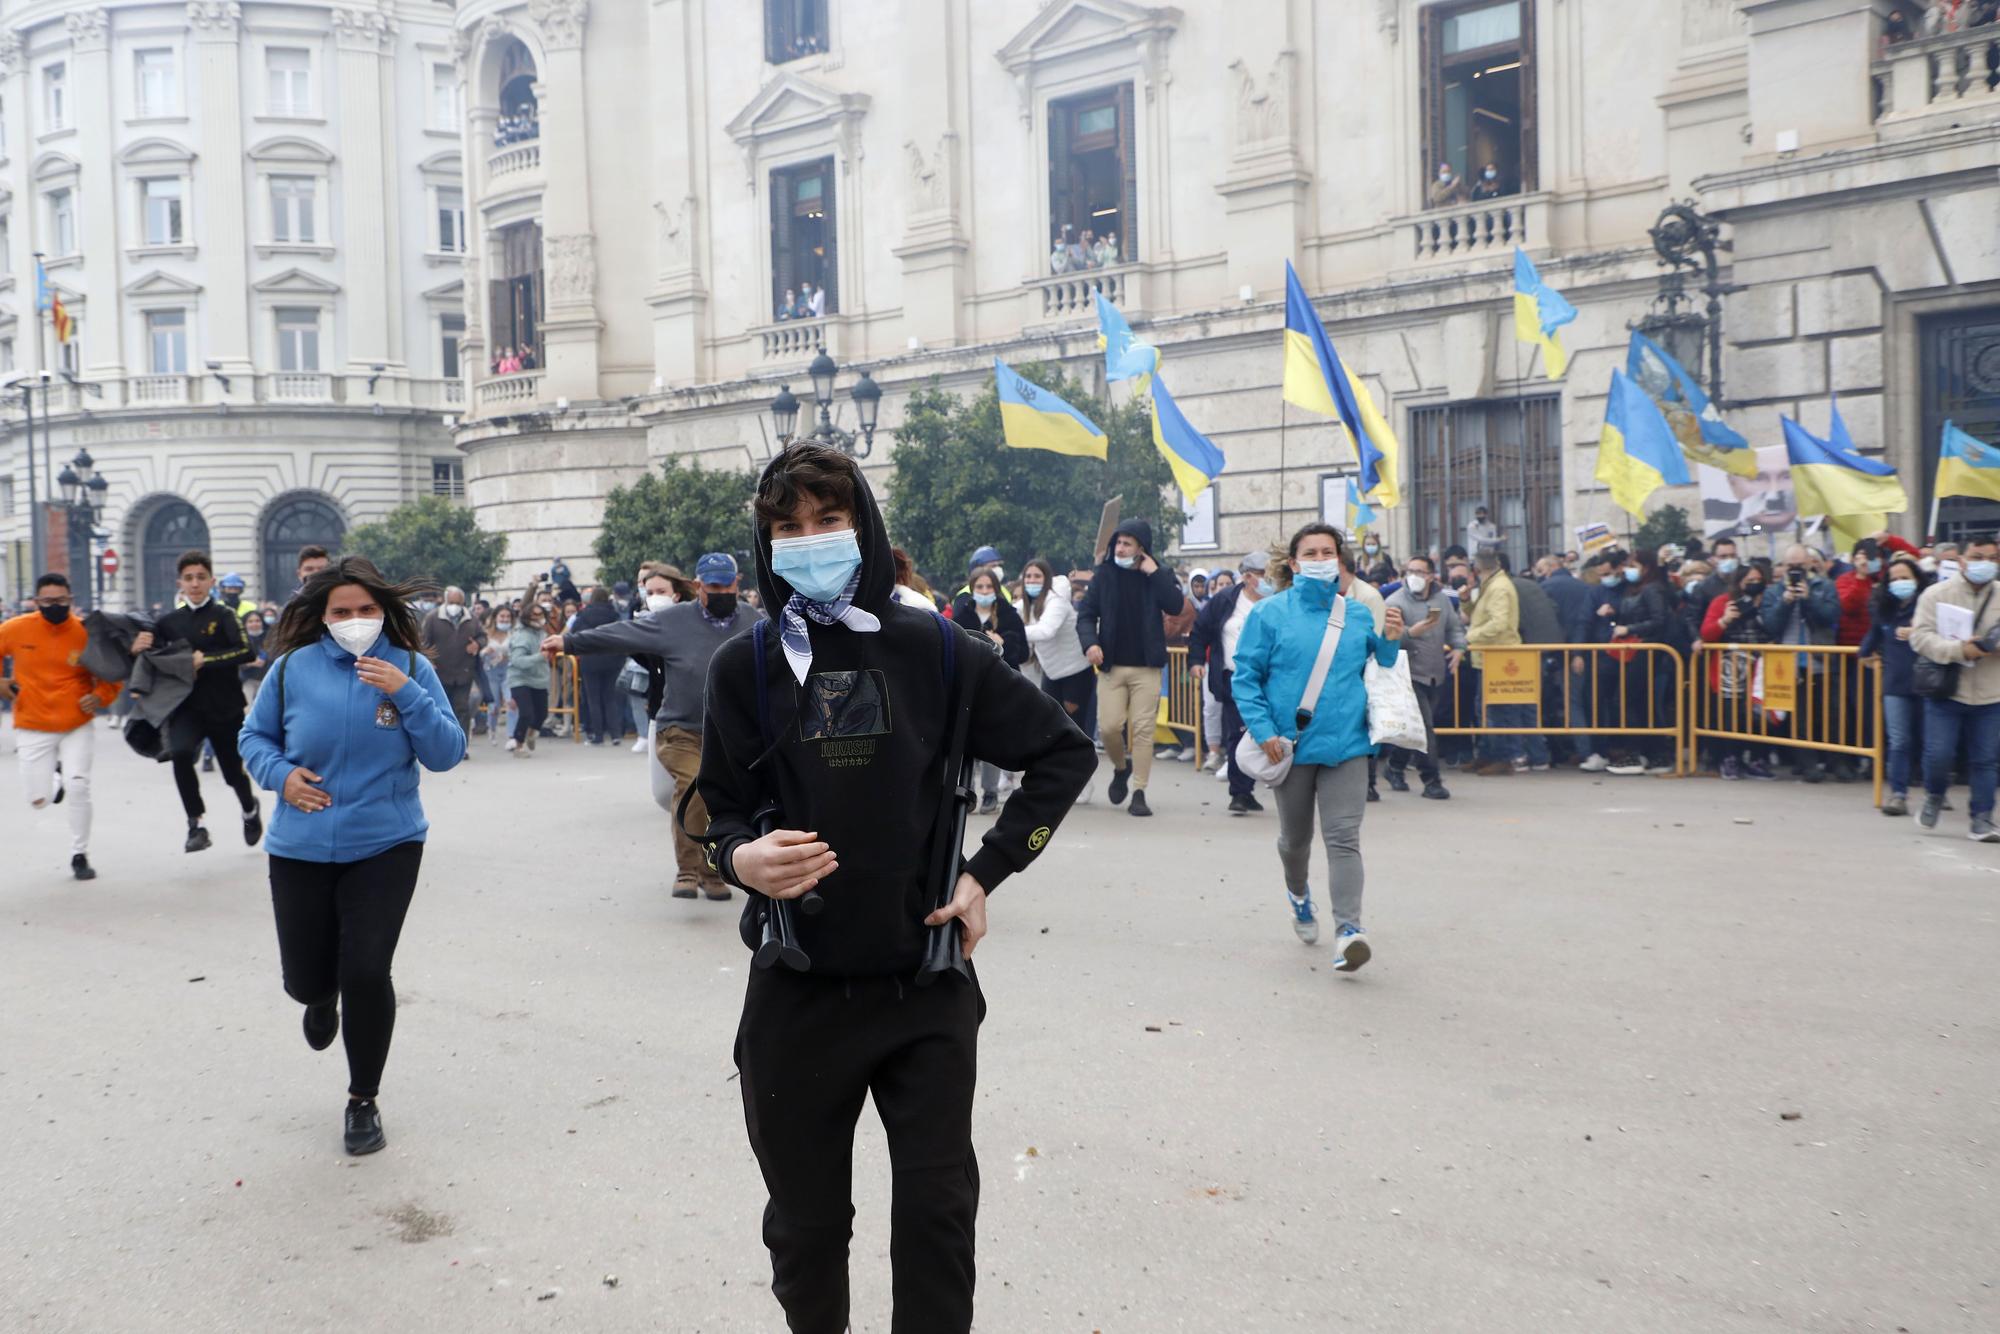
(1052, 635)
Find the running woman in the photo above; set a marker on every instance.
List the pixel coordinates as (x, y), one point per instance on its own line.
(1327, 736)
(351, 708)
(55, 701)
(859, 705)
(213, 711)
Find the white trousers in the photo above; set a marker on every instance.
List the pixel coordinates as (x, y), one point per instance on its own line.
(39, 753)
(1211, 717)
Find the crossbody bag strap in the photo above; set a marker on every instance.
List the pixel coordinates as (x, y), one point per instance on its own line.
(1336, 621)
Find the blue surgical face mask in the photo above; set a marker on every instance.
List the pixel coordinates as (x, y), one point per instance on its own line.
(1031, 590)
(1125, 562)
(1981, 571)
(1727, 565)
(1610, 581)
(818, 566)
(1902, 589)
(1631, 574)
(1325, 571)
(983, 599)
(1866, 566)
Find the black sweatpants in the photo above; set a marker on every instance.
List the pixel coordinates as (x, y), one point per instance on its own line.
(459, 696)
(809, 1049)
(338, 923)
(186, 730)
(604, 711)
(531, 706)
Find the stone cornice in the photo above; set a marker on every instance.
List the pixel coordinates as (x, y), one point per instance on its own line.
(561, 22)
(218, 17)
(363, 29)
(89, 29)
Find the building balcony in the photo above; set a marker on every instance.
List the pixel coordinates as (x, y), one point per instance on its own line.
(298, 387)
(521, 389)
(161, 391)
(1073, 296)
(798, 340)
(1951, 74)
(513, 160)
(1484, 230)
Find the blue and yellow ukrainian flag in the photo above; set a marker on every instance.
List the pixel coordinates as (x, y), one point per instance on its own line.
(1193, 457)
(1966, 467)
(1636, 454)
(1540, 310)
(1838, 483)
(1359, 515)
(1033, 418)
(1125, 357)
(1704, 436)
(1316, 380)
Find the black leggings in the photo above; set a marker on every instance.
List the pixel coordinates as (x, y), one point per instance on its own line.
(186, 730)
(338, 923)
(810, 1050)
(1077, 693)
(531, 706)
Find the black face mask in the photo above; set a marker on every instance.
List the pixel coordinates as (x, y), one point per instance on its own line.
(722, 606)
(1753, 590)
(55, 615)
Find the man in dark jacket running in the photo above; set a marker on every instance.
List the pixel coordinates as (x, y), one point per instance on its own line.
(1122, 634)
(847, 731)
(453, 637)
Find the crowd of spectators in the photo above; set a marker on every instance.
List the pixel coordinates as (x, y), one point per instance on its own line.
(805, 302)
(1915, 19)
(514, 127)
(1074, 252)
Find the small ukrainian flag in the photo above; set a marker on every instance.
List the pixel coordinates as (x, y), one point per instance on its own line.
(1316, 380)
(1033, 418)
(1540, 310)
(1966, 466)
(1193, 457)
(1636, 454)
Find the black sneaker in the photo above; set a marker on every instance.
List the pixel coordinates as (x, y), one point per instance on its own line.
(253, 824)
(364, 1127)
(1398, 783)
(1436, 791)
(1139, 806)
(1251, 803)
(197, 838)
(1374, 795)
(322, 1022)
(1121, 782)
(1812, 773)
(1242, 805)
(79, 866)
(988, 804)
(208, 764)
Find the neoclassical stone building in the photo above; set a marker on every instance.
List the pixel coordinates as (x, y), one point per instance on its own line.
(255, 213)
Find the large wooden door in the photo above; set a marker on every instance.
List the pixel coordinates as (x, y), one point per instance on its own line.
(1960, 383)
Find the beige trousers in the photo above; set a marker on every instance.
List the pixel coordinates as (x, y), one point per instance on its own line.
(1129, 697)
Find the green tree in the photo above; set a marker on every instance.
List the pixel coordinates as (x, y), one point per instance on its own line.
(676, 516)
(1668, 523)
(957, 486)
(433, 541)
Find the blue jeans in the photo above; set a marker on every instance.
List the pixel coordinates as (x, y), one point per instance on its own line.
(1508, 746)
(1902, 726)
(1579, 705)
(1942, 720)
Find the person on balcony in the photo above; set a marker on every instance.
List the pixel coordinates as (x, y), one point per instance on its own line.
(524, 360)
(787, 305)
(1107, 251)
(1488, 185)
(1447, 190)
(1059, 252)
(816, 298)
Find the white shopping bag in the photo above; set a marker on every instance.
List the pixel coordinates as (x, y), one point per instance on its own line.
(1394, 716)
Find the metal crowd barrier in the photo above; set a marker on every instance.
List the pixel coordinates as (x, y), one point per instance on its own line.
(1626, 690)
(1817, 697)
(1180, 707)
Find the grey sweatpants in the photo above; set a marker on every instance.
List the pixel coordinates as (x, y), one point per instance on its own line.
(1340, 793)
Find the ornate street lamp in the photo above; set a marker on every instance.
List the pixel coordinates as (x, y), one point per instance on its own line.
(1685, 241)
(785, 413)
(867, 396)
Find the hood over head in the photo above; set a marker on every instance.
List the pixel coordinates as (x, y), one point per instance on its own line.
(1138, 530)
(878, 562)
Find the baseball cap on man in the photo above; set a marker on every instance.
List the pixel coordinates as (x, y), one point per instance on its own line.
(717, 567)
(1256, 560)
(984, 556)
(231, 580)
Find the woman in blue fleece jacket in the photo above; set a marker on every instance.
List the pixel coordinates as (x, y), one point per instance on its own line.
(1274, 663)
(351, 707)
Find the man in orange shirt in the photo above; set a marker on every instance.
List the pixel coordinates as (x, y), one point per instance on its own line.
(55, 702)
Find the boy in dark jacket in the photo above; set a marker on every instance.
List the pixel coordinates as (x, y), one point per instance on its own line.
(859, 707)
(1122, 634)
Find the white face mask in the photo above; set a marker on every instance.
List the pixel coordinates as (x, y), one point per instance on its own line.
(660, 601)
(356, 634)
(453, 611)
(1416, 583)
(1324, 571)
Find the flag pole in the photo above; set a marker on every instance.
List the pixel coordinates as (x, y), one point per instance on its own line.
(1282, 418)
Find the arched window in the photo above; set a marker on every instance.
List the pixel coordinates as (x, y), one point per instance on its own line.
(173, 528)
(520, 117)
(296, 521)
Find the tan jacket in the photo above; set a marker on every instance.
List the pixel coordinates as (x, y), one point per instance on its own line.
(1978, 682)
(1496, 613)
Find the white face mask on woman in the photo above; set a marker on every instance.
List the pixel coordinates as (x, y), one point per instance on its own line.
(660, 601)
(357, 634)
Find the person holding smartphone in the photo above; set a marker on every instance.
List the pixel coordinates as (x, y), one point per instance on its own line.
(351, 709)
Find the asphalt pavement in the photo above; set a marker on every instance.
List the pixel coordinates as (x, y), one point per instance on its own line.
(1634, 1054)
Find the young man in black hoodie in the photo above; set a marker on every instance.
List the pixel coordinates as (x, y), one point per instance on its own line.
(1120, 628)
(847, 731)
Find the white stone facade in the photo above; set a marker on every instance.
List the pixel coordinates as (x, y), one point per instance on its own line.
(263, 255)
(1857, 184)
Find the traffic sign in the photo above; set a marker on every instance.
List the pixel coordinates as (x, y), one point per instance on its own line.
(108, 562)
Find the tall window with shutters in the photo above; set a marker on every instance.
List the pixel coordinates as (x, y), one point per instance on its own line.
(1479, 99)
(803, 239)
(515, 326)
(1094, 176)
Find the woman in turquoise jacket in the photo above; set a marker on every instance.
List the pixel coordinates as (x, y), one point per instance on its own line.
(1274, 662)
(350, 709)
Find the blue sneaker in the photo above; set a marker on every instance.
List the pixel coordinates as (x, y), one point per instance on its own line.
(1350, 949)
(1304, 923)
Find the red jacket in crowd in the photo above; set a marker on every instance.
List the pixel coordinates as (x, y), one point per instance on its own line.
(1855, 588)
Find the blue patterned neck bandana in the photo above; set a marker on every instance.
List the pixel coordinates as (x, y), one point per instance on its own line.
(841, 611)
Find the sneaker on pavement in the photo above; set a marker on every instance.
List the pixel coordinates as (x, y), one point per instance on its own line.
(321, 1023)
(1732, 768)
(1305, 924)
(686, 889)
(79, 866)
(1121, 782)
(1493, 769)
(1541, 768)
(1436, 791)
(1519, 763)
(1927, 817)
(1350, 947)
(1760, 771)
(197, 838)
(1139, 806)
(1242, 805)
(1635, 765)
(716, 891)
(1594, 764)
(988, 804)
(253, 823)
(1982, 831)
(1896, 804)
(1373, 794)
(1398, 783)
(364, 1127)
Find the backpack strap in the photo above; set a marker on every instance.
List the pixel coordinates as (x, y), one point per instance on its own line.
(764, 729)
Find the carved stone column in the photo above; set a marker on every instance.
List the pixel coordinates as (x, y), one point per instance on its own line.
(216, 76)
(365, 38)
(570, 324)
(679, 298)
(99, 203)
(1266, 185)
(934, 250)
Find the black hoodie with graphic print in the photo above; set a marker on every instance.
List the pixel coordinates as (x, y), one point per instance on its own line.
(859, 759)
